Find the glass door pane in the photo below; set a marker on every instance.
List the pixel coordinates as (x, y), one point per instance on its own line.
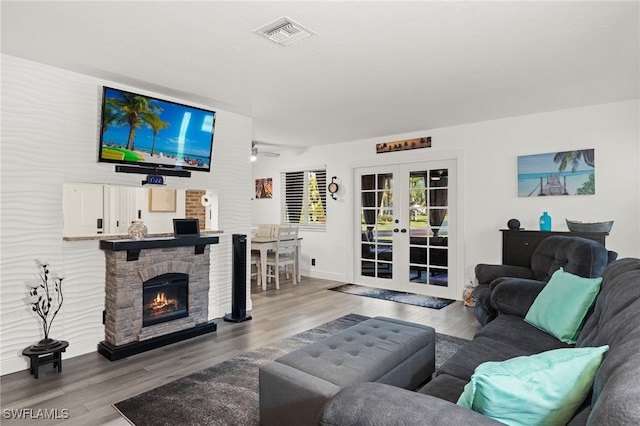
(428, 227)
(419, 230)
(376, 224)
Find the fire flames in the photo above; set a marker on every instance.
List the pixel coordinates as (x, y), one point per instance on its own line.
(161, 305)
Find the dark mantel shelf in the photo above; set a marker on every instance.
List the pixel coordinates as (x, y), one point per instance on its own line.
(203, 233)
(133, 247)
(155, 243)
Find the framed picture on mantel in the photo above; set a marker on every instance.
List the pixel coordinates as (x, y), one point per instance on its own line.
(162, 200)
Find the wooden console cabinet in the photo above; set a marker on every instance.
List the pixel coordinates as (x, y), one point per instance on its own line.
(517, 246)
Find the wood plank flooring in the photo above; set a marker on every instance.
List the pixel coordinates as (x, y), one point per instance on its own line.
(89, 384)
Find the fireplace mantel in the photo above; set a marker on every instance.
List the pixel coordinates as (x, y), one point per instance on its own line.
(133, 247)
(151, 243)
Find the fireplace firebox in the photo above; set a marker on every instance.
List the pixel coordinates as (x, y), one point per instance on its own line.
(165, 298)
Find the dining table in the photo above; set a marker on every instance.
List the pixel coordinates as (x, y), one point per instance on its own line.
(264, 243)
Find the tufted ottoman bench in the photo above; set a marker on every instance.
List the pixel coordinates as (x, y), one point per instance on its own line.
(295, 387)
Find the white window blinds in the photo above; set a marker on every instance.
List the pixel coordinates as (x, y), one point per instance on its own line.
(304, 199)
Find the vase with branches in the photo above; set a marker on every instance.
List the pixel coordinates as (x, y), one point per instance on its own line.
(46, 300)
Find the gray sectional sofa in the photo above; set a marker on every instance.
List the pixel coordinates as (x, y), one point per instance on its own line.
(613, 320)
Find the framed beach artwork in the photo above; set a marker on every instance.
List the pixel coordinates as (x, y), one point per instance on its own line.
(264, 188)
(557, 173)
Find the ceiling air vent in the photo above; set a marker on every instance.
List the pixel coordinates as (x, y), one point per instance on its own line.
(284, 31)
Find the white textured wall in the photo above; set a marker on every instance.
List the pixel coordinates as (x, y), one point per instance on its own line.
(50, 125)
(489, 152)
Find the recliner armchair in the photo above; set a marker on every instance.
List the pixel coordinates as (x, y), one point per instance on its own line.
(576, 255)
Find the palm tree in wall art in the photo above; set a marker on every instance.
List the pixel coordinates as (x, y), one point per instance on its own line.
(576, 158)
(573, 157)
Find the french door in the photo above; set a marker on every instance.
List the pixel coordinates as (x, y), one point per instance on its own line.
(405, 227)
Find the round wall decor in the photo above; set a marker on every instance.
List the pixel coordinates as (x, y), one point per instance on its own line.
(333, 187)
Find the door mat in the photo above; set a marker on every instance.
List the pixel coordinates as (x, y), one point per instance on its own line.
(394, 296)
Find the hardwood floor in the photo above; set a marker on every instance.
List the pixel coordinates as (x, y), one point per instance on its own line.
(89, 384)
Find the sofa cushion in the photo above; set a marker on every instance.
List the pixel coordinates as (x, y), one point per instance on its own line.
(510, 329)
(505, 337)
(463, 363)
(514, 296)
(445, 387)
(577, 255)
(546, 388)
(562, 305)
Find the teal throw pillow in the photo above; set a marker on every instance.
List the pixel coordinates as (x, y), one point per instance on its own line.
(542, 389)
(562, 305)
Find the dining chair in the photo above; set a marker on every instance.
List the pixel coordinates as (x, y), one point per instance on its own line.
(284, 255)
(265, 230)
(255, 267)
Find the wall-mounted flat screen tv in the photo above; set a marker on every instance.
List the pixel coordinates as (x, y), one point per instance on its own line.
(142, 130)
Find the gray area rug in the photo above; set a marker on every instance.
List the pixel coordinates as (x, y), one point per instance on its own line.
(226, 394)
(395, 296)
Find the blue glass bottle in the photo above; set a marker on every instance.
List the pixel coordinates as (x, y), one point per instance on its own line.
(545, 222)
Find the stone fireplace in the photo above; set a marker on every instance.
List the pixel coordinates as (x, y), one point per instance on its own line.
(156, 293)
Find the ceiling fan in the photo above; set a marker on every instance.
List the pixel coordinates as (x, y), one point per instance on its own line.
(255, 152)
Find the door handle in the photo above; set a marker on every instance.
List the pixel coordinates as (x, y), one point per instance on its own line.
(396, 230)
(403, 230)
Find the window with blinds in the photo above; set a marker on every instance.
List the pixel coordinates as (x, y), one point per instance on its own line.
(304, 199)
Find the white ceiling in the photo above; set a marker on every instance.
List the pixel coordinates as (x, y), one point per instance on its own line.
(372, 69)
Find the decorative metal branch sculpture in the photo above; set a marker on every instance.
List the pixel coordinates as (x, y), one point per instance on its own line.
(46, 300)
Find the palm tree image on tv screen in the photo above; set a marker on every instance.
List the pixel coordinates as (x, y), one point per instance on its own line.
(143, 130)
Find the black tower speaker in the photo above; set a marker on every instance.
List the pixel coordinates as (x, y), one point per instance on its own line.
(239, 281)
